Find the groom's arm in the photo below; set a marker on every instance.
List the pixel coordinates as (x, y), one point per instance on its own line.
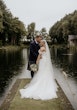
(32, 49)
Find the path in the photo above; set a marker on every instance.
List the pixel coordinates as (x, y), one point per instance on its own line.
(68, 85)
(14, 102)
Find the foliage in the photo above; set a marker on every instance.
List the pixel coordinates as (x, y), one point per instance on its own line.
(43, 31)
(61, 29)
(11, 28)
(31, 30)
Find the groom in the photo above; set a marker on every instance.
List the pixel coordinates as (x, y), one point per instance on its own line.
(34, 47)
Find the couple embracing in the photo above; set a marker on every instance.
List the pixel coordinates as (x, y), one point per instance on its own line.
(42, 85)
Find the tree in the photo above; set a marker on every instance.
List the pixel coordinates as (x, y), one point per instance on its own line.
(43, 32)
(31, 31)
(61, 29)
(1, 21)
(11, 28)
(17, 30)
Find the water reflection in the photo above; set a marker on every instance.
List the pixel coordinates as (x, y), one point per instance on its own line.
(65, 59)
(11, 62)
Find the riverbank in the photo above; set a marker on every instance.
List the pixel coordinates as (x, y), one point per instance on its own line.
(14, 102)
(64, 47)
(10, 47)
(13, 47)
(60, 46)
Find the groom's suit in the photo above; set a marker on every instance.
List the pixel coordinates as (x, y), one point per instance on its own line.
(34, 47)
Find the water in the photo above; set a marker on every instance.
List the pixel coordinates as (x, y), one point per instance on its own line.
(65, 59)
(11, 64)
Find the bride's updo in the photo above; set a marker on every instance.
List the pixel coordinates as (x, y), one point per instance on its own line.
(42, 43)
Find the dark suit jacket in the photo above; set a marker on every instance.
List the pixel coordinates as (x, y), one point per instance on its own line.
(34, 47)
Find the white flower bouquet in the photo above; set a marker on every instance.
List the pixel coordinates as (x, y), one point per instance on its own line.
(34, 67)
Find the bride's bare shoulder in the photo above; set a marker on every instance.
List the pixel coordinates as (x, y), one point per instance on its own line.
(42, 49)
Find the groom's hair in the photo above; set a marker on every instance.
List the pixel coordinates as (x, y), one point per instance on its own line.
(38, 36)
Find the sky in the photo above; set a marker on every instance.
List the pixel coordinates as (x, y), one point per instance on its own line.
(43, 12)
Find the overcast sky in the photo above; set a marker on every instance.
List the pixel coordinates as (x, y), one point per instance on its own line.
(43, 12)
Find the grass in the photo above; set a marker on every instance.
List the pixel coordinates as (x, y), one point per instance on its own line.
(9, 47)
(13, 47)
(31, 104)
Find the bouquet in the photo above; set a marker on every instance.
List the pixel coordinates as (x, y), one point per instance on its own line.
(34, 67)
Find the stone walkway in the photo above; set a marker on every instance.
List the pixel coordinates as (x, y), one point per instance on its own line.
(14, 102)
(68, 85)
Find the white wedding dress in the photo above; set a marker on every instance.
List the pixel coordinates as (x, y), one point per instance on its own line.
(43, 85)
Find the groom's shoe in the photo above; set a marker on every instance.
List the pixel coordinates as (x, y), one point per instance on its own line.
(32, 74)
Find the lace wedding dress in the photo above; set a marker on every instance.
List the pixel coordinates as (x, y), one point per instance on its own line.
(43, 85)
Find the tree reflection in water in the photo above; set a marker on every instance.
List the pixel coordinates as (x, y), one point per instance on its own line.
(11, 62)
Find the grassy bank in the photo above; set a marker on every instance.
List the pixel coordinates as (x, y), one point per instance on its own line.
(64, 46)
(60, 45)
(13, 47)
(10, 47)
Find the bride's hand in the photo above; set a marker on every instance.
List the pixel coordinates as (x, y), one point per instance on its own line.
(38, 59)
(40, 56)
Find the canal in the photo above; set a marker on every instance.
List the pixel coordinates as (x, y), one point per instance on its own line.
(66, 59)
(13, 65)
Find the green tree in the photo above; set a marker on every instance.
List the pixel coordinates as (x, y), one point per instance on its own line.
(11, 28)
(61, 29)
(1, 21)
(31, 31)
(43, 31)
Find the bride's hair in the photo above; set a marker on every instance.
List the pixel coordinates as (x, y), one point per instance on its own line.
(42, 42)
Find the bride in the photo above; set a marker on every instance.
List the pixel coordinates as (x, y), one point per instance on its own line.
(43, 85)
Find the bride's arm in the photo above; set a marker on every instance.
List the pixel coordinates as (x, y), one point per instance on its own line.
(38, 58)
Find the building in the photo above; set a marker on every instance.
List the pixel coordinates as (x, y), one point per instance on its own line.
(72, 39)
(24, 39)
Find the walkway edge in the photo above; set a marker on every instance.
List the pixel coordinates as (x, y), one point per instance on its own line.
(5, 105)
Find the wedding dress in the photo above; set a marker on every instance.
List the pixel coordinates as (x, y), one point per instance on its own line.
(43, 85)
